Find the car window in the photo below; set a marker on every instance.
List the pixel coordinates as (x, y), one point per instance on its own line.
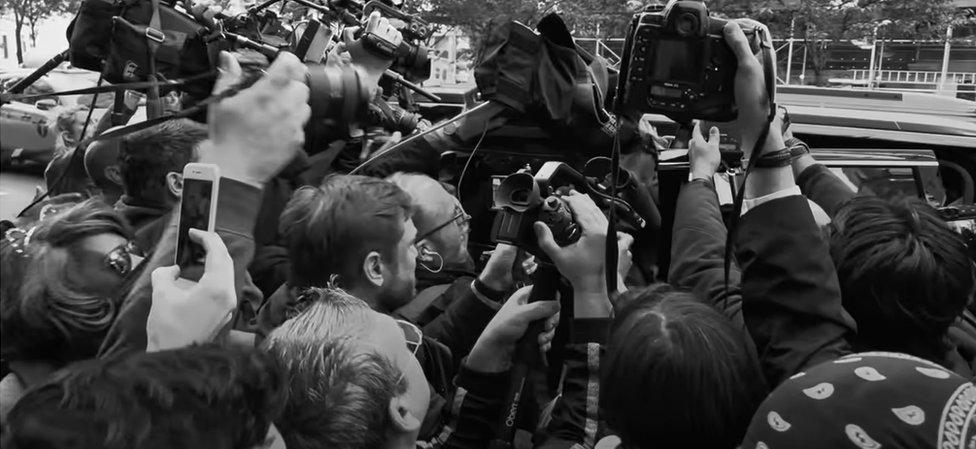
(895, 182)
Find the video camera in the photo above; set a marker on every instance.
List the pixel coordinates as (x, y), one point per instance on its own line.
(523, 199)
(117, 38)
(676, 62)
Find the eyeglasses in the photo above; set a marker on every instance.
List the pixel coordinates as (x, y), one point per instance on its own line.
(124, 258)
(460, 216)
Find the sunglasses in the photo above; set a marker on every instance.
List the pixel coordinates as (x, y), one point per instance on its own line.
(124, 258)
(460, 217)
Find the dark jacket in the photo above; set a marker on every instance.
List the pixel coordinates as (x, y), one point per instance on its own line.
(823, 187)
(234, 224)
(148, 222)
(575, 419)
(791, 298)
(698, 251)
(470, 418)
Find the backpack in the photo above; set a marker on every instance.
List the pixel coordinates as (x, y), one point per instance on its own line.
(140, 40)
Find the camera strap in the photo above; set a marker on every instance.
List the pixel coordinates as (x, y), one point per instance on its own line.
(154, 37)
(769, 76)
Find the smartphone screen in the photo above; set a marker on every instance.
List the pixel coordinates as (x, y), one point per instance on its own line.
(194, 213)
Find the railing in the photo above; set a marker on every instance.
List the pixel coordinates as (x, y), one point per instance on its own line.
(912, 77)
(600, 48)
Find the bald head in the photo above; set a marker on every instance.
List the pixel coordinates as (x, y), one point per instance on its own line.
(434, 206)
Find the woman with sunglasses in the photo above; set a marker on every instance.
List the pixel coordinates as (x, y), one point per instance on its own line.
(63, 280)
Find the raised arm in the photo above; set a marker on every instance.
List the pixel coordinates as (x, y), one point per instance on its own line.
(252, 135)
(698, 238)
(791, 297)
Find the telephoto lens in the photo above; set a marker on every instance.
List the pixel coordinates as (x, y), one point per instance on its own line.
(338, 95)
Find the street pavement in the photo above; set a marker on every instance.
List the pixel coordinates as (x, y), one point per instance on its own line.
(17, 189)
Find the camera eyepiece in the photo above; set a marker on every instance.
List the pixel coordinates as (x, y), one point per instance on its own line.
(687, 24)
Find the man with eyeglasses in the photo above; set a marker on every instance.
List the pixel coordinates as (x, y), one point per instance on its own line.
(356, 233)
(445, 269)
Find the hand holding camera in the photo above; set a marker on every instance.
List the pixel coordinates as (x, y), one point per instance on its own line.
(374, 51)
(258, 131)
(580, 262)
(493, 351)
(750, 89)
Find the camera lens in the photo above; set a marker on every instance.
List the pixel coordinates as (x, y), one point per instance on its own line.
(686, 24)
(337, 94)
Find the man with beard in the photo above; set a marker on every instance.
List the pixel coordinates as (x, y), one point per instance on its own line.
(445, 268)
(356, 233)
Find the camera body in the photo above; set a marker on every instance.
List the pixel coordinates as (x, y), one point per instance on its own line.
(677, 63)
(410, 57)
(523, 199)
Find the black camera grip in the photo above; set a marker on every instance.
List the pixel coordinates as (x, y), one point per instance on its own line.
(527, 356)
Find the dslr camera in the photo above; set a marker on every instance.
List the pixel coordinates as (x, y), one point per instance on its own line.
(676, 62)
(523, 199)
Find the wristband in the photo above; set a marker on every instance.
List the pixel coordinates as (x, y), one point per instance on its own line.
(797, 147)
(775, 159)
(488, 292)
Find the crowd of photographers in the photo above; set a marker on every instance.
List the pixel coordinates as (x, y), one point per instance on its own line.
(347, 312)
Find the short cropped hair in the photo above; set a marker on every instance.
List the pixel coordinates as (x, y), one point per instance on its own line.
(905, 276)
(331, 228)
(340, 390)
(677, 374)
(195, 397)
(44, 314)
(146, 156)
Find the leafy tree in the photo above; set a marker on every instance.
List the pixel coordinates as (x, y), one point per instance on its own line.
(31, 13)
(474, 18)
(822, 22)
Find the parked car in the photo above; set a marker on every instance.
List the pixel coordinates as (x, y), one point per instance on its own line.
(28, 130)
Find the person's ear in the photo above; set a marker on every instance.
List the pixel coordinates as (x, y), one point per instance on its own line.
(425, 251)
(174, 183)
(112, 173)
(373, 268)
(403, 421)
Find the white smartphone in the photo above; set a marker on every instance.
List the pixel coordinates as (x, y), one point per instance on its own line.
(198, 209)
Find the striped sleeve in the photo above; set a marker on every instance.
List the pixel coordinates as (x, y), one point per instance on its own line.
(470, 420)
(575, 420)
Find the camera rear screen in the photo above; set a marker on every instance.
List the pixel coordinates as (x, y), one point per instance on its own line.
(194, 213)
(677, 60)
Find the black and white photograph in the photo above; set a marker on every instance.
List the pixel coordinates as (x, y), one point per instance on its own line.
(488, 224)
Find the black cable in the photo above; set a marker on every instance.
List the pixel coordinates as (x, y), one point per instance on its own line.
(611, 246)
(59, 184)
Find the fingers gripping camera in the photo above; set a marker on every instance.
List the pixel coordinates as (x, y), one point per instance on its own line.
(678, 63)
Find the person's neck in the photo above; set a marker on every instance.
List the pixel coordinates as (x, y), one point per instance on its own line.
(370, 296)
(400, 441)
(148, 202)
(32, 373)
